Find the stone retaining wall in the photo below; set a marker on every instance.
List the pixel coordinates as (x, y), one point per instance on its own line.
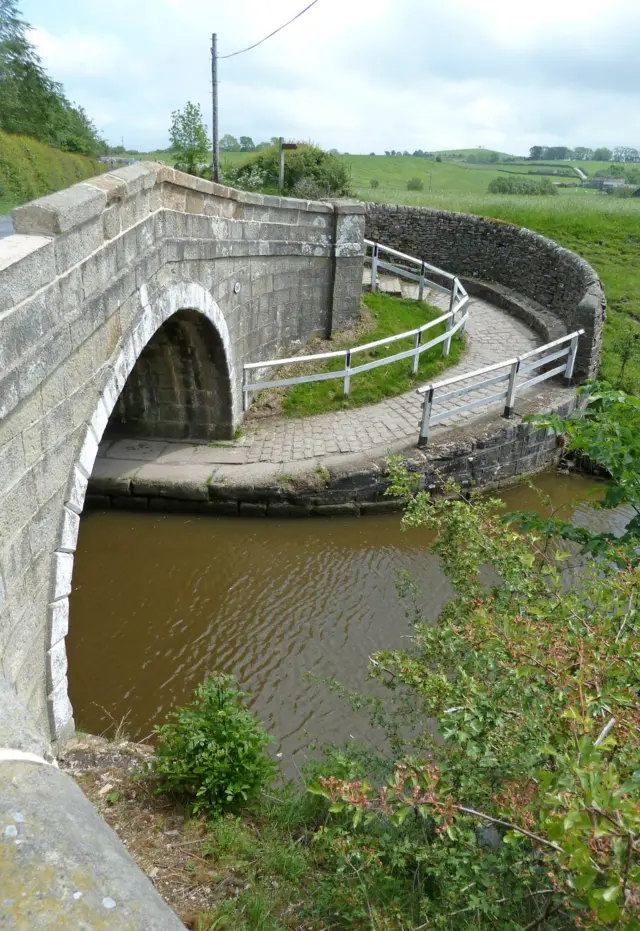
(489, 454)
(552, 279)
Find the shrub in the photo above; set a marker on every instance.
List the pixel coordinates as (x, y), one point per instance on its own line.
(307, 164)
(213, 749)
(518, 709)
(374, 182)
(415, 184)
(307, 189)
(526, 186)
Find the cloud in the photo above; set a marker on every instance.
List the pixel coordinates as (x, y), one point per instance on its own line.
(361, 75)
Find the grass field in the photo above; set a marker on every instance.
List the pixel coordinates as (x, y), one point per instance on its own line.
(383, 316)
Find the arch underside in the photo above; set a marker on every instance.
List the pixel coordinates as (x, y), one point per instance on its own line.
(172, 375)
(179, 387)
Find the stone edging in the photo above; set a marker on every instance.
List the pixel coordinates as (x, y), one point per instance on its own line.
(489, 454)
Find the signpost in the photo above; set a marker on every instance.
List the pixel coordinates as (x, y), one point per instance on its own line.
(282, 146)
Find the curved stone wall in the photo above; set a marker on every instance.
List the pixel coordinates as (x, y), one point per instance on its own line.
(550, 277)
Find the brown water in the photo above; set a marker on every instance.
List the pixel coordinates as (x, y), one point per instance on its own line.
(160, 600)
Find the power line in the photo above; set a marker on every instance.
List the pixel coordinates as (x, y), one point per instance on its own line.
(279, 29)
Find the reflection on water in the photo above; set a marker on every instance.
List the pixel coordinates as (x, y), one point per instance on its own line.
(159, 600)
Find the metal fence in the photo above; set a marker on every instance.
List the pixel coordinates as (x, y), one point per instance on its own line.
(404, 267)
(521, 373)
(455, 321)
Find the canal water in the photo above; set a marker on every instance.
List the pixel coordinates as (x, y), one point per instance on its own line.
(160, 600)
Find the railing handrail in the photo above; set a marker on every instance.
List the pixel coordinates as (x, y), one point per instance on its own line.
(454, 320)
(507, 394)
(341, 353)
(409, 258)
(432, 386)
(498, 365)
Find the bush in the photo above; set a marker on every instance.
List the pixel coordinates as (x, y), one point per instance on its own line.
(214, 749)
(30, 169)
(415, 184)
(374, 182)
(526, 186)
(306, 166)
(517, 709)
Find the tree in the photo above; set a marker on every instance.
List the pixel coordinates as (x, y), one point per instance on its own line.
(247, 144)
(537, 153)
(602, 155)
(558, 153)
(229, 144)
(188, 136)
(32, 103)
(582, 154)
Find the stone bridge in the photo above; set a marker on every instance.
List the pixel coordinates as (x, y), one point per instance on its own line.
(130, 303)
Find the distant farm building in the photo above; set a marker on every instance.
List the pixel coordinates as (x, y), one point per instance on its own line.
(606, 184)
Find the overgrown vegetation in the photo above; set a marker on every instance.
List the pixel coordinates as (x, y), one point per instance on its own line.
(213, 749)
(309, 172)
(392, 316)
(512, 184)
(32, 103)
(31, 169)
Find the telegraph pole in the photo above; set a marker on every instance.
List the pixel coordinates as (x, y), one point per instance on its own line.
(214, 122)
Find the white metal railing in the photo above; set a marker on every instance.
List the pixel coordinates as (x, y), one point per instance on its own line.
(455, 321)
(519, 375)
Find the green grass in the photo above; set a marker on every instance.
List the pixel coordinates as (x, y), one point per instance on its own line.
(391, 316)
(7, 204)
(604, 230)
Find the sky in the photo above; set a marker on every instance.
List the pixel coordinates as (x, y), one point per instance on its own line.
(356, 75)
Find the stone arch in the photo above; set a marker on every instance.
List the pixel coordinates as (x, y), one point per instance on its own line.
(188, 305)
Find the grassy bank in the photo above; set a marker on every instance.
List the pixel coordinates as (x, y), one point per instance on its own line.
(383, 316)
(604, 230)
(29, 169)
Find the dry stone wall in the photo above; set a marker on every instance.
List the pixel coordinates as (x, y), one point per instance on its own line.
(92, 275)
(552, 280)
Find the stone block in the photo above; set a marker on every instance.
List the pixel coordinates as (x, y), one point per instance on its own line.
(159, 481)
(335, 510)
(27, 263)
(60, 212)
(139, 177)
(72, 247)
(25, 325)
(43, 359)
(252, 509)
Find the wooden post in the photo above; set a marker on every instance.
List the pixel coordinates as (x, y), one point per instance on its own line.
(214, 121)
(281, 163)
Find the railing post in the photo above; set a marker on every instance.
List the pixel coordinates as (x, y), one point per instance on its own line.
(347, 374)
(421, 286)
(571, 360)
(374, 267)
(416, 359)
(454, 293)
(245, 393)
(423, 439)
(511, 390)
(446, 346)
